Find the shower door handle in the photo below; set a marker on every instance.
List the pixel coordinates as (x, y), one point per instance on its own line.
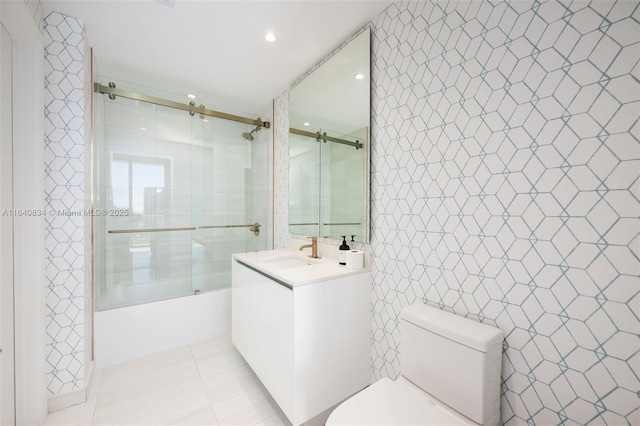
(255, 229)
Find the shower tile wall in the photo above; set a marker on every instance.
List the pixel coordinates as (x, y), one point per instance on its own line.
(505, 159)
(68, 289)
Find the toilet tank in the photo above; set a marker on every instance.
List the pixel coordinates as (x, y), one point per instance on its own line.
(454, 359)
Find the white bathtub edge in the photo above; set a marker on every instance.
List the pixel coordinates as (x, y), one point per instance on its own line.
(133, 332)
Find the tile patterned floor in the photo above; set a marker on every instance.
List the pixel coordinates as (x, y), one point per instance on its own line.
(207, 383)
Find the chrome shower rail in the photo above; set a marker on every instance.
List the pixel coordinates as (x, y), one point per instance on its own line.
(324, 137)
(113, 92)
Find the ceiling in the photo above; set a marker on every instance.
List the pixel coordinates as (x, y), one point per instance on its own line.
(216, 49)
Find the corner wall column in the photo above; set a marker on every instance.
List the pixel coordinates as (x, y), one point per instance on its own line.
(68, 279)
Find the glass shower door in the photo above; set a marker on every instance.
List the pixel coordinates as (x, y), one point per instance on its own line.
(223, 211)
(144, 167)
(177, 195)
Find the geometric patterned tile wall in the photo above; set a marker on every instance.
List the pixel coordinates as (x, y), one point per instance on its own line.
(281, 170)
(64, 193)
(505, 187)
(88, 220)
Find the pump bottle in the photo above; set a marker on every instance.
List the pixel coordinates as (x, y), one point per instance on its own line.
(342, 254)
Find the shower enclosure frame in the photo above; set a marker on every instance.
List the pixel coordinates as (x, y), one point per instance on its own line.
(113, 92)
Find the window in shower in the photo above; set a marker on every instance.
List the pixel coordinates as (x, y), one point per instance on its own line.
(138, 191)
(138, 184)
(178, 192)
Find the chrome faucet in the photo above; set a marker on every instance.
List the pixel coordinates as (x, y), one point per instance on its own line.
(314, 248)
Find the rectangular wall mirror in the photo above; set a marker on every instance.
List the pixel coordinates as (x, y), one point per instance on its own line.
(329, 119)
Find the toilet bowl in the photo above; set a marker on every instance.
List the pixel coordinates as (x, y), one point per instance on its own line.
(450, 375)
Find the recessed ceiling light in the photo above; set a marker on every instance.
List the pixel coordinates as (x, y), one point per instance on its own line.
(359, 76)
(306, 123)
(270, 37)
(205, 120)
(143, 128)
(191, 96)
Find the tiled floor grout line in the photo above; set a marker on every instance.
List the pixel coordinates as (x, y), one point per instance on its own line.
(243, 380)
(244, 392)
(195, 361)
(235, 396)
(98, 390)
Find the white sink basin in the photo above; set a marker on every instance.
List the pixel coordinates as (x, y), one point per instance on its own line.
(291, 262)
(293, 267)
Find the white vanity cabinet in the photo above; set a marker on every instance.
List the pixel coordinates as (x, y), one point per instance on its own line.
(309, 343)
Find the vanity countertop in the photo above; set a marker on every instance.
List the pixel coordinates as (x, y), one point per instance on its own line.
(295, 268)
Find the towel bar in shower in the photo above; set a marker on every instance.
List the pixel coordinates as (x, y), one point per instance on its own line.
(136, 231)
(255, 228)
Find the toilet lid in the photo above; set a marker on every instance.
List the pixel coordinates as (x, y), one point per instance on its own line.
(398, 402)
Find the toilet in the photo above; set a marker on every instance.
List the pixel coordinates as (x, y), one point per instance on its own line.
(450, 375)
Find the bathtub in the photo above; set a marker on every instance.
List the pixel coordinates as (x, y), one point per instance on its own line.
(132, 332)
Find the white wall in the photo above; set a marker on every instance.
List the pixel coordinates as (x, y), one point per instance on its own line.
(29, 232)
(7, 362)
(23, 22)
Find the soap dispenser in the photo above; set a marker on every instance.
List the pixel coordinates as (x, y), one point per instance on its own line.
(342, 254)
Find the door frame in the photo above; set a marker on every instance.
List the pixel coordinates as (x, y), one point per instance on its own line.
(27, 107)
(7, 347)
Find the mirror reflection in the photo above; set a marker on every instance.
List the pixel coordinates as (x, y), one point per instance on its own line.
(329, 146)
